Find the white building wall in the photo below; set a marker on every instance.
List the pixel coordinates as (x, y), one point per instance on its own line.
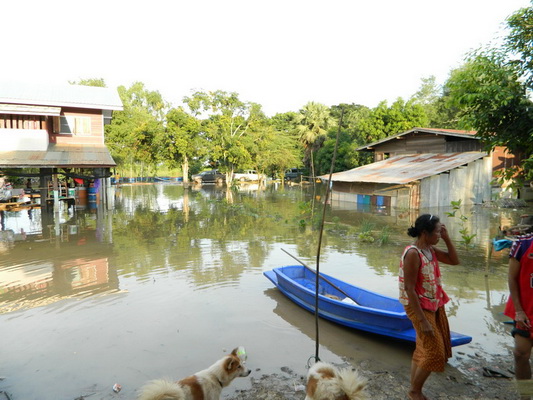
(24, 139)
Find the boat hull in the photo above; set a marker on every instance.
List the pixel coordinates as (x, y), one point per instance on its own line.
(348, 305)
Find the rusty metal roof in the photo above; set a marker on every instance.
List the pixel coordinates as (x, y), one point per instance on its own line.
(59, 156)
(406, 168)
(442, 132)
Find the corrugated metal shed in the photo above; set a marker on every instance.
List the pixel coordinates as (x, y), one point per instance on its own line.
(59, 156)
(406, 168)
(60, 95)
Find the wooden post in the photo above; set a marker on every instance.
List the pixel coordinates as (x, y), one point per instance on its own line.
(55, 188)
(43, 186)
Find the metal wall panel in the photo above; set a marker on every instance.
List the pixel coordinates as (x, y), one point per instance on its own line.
(470, 184)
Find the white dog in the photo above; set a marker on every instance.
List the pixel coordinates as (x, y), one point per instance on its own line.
(206, 384)
(326, 382)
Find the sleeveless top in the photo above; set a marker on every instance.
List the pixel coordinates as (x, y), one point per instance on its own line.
(428, 284)
(522, 250)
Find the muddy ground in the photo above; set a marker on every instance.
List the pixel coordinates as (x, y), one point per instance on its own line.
(471, 381)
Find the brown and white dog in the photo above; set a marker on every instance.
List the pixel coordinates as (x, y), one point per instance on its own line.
(326, 382)
(205, 385)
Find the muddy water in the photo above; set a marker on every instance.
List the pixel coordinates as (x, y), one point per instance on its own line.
(167, 279)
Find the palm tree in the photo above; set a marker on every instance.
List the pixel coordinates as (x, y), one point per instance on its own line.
(313, 122)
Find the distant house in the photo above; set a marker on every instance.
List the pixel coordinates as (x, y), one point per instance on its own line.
(56, 128)
(422, 168)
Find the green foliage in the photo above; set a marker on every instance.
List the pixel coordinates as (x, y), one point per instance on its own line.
(133, 131)
(384, 236)
(97, 82)
(519, 42)
(491, 91)
(367, 226)
(347, 156)
(274, 151)
(512, 177)
(313, 122)
(285, 122)
(431, 98)
(493, 101)
(385, 121)
(366, 235)
(229, 128)
(487, 94)
(464, 231)
(181, 141)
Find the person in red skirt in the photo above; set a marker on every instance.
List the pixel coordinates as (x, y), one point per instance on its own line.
(519, 307)
(424, 298)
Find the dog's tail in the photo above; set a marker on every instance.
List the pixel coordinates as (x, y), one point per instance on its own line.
(353, 384)
(161, 389)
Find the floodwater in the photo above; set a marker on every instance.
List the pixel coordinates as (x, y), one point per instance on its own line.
(165, 279)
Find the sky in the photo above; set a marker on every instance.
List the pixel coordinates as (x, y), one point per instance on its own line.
(277, 53)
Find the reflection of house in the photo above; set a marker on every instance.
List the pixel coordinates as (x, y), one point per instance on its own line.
(56, 127)
(422, 168)
(32, 286)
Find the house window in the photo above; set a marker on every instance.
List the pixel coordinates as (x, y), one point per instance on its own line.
(8, 121)
(75, 125)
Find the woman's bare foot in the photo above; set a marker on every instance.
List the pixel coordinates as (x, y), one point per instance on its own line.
(416, 396)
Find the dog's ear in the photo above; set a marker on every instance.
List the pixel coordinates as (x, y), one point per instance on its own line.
(228, 364)
(234, 351)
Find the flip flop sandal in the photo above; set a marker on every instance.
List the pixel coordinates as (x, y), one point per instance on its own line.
(494, 372)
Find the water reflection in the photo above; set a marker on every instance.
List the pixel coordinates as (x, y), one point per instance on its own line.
(358, 345)
(34, 285)
(190, 259)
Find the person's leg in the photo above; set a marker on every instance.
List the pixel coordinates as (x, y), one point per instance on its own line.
(522, 353)
(418, 378)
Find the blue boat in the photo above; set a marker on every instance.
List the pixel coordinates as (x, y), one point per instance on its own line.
(348, 305)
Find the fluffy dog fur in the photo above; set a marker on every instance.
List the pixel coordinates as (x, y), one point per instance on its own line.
(326, 382)
(204, 385)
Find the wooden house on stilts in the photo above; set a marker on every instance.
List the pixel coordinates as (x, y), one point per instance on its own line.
(58, 130)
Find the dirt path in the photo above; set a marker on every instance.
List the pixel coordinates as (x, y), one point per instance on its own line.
(467, 383)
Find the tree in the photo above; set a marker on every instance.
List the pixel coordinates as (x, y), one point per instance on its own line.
(362, 125)
(493, 100)
(285, 122)
(287, 141)
(384, 121)
(275, 150)
(97, 82)
(492, 89)
(181, 140)
(432, 98)
(132, 132)
(350, 139)
(519, 42)
(347, 157)
(313, 122)
(228, 127)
